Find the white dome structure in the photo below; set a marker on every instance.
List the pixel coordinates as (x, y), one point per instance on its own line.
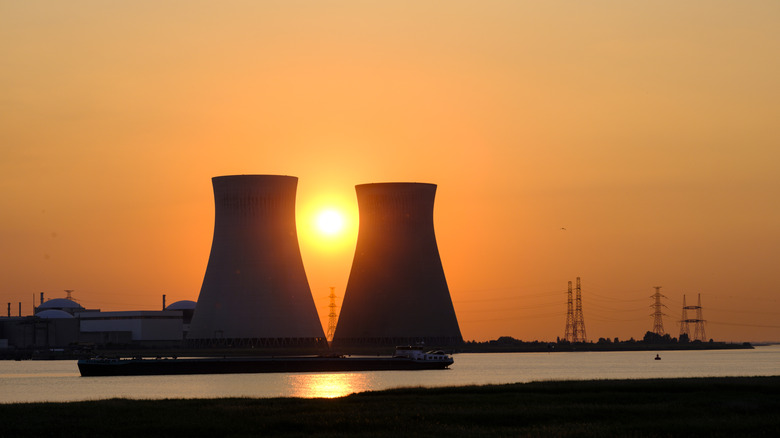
(60, 304)
(54, 314)
(187, 309)
(182, 305)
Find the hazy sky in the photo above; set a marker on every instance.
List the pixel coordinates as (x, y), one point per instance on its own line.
(650, 131)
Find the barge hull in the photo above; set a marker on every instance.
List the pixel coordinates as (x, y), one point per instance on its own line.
(149, 367)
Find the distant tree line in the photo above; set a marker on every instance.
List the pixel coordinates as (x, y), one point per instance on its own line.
(649, 342)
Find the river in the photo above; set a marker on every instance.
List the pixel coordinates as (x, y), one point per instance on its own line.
(33, 381)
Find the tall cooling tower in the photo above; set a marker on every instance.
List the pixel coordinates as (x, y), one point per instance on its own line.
(255, 291)
(396, 293)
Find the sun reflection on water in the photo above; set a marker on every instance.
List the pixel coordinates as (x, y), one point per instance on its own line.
(327, 385)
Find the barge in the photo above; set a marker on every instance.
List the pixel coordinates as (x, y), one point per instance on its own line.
(406, 358)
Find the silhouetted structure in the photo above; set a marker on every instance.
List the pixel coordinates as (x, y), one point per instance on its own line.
(255, 291)
(575, 319)
(333, 317)
(658, 314)
(397, 293)
(569, 336)
(698, 334)
(579, 318)
(684, 330)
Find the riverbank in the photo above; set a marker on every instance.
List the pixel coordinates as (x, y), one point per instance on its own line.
(512, 346)
(730, 406)
(545, 347)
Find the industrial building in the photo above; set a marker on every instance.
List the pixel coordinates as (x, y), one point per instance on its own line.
(255, 291)
(63, 323)
(397, 292)
(187, 309)
(149, 328)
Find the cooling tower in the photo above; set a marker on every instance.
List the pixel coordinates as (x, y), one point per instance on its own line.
(255, 291)
(397, 293)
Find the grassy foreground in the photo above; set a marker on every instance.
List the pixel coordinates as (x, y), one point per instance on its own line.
(740, 406)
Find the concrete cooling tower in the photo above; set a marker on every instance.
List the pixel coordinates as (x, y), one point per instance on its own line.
(255, 291)
(396, 293)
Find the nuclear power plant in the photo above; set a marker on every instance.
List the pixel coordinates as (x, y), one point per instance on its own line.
(396, 293)
(255, 291)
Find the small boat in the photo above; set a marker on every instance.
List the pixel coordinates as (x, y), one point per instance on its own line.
(406, 358)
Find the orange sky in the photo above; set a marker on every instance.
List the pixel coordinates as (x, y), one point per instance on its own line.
(649, 130)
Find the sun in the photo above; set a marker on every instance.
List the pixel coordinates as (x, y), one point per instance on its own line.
(330, 222)
(327, 225)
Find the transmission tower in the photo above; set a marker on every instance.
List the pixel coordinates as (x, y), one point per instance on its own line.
(658, 315)
(698, 331)
(569, 316)
(579, 320)
(332, 316)
(684, 321)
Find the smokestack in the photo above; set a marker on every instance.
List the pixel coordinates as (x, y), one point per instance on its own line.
(163, 302)
(255, 291)
(9, 310)
(41, 298)
(20, 308)
(397, 293)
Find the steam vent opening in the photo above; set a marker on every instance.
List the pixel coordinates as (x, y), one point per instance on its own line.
(396, 293)
(255, 292)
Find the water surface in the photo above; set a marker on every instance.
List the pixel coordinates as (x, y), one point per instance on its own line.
(28, 381)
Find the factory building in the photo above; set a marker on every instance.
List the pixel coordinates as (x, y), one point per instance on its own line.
(48, 329)
(255, 291)
(187, 309)
(147, 328)
(63, 323)
(397, 292)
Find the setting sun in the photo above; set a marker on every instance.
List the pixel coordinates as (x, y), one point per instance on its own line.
(330, 222)
(327, 224)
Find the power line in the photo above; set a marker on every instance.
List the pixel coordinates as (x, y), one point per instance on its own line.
(743, 325)
(514, 297)
(612, 299)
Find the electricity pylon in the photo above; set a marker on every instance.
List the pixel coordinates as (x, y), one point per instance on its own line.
(579, 319)
(569, 336)
(658, 315)
(332, 316)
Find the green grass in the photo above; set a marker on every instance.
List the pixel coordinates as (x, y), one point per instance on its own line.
(716, 407)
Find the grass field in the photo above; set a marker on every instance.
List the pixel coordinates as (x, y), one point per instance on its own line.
(705, 407)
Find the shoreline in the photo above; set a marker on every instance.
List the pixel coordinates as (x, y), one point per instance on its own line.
(516, 347)
(706, 406)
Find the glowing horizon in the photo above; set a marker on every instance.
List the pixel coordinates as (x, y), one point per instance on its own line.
(632, 145)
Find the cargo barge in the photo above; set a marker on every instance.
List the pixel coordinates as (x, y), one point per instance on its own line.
(404, 359)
